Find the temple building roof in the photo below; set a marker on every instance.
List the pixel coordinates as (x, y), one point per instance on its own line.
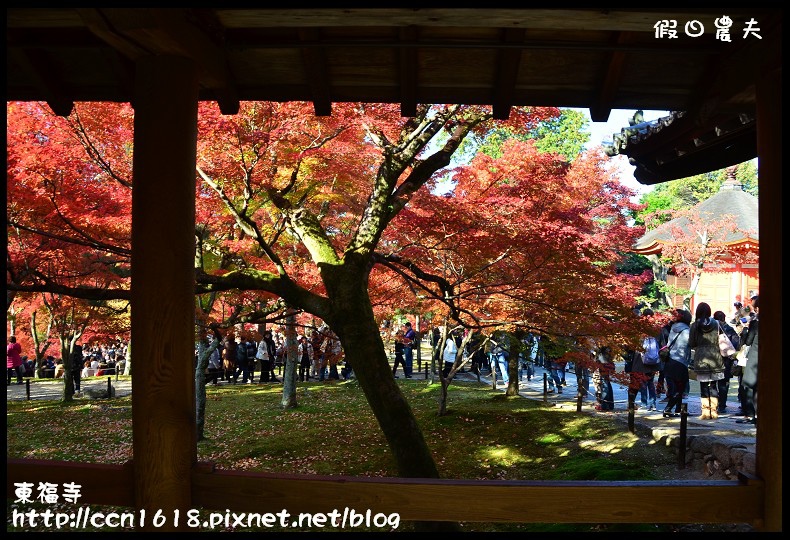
(729, 200)
(676, 146)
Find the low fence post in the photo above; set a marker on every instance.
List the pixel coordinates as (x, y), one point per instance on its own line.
(684, 414)
(109, 387)
(545, 387)
(27, 388)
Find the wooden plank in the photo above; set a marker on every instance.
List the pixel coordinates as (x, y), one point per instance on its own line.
(100, 483)
(635, 20)
(425, 499)
(505, 501)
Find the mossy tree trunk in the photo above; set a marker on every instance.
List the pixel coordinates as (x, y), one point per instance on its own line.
(291, 361)
(204, 352)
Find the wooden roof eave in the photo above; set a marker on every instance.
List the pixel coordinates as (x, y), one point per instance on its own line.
(655, 248)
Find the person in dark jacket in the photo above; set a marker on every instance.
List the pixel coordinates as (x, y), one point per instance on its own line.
(707, 362)
(76, 366)
(749, 381)
(604, 368)
(676, 368)
(242, 365)
(724, 384)
(268, 345)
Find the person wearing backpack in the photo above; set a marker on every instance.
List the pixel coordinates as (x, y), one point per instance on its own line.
(252, 351)
(643, 367)
(651, 362)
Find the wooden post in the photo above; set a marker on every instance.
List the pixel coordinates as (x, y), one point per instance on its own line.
(770, 379)
(163, 284)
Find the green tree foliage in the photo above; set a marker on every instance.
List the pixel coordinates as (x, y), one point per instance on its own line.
(685, 193)
(564, 135)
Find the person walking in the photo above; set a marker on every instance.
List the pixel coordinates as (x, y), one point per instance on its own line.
(333, 354)
(305, 353)
(500, 357)
(643, 370)
(242, 365)
(663, 341)
(229, 365)
(749, 381)
(252, 349)
(676, 368)
(398, 352)
(707, 362)
(729, 360)
(604, 369)
(266, 352)
(77, 363)
(14, 360)
(410, 343)
(450, 352)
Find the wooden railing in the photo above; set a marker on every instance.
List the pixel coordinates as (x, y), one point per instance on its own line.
(424, 499)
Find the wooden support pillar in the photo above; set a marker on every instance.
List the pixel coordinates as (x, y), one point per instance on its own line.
(163, 285)
(770, 381)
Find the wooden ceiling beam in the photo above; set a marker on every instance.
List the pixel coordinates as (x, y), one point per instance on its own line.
(408, 64)
(507, 68)
(720, 88)
(54, 90)
(137, 32)
(316, 72)
(611, 80)
(597, 19)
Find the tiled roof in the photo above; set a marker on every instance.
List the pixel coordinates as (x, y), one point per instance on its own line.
(636, 133)
(678, 146)
(730, 200)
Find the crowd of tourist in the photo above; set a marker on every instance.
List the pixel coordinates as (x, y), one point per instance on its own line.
(694, 346)
(235, 357)
(711, 347)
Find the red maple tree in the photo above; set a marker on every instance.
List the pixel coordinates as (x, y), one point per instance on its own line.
(325, 213)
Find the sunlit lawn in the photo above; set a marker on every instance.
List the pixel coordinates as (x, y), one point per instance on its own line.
(333, 432)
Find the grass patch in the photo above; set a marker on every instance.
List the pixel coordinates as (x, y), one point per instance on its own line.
(484, 436)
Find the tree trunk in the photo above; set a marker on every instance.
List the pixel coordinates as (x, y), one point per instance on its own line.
(443, 396)
(66, 346)
(200, 384)
(353, 321)
(291, 361)
(512, 373)
(127, 367)
(200, 389)
(365, 350)
(40, 363)
(660, 274)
